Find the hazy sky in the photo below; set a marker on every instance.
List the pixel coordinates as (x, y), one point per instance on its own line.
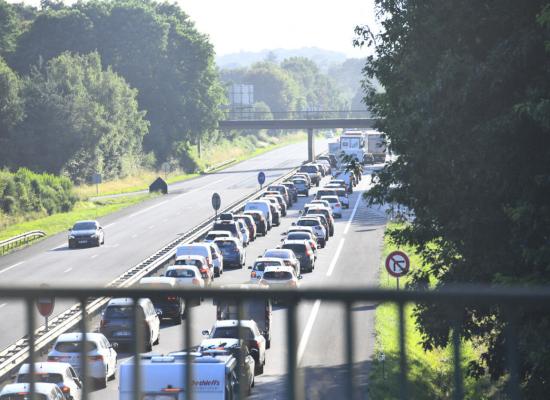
(251, 25)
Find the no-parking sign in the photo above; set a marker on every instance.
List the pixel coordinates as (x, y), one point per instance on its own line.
(397, 263)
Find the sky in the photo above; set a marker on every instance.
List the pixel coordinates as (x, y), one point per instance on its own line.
(253, 25)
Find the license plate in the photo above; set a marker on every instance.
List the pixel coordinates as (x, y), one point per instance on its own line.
(82, 241)
(122, 333)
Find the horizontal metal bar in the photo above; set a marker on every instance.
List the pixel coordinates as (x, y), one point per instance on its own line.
(22, 236)
(536, 296)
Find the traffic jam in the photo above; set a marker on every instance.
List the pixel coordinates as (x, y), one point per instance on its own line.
(225, 363)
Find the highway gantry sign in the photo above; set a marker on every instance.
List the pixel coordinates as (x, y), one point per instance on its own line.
(397, 263)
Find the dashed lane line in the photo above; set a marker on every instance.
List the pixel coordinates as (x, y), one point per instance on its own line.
(352, 214)
(11, 267)
(307, 331)
(335, 258)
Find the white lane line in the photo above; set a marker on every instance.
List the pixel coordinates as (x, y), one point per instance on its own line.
(352, 214)
(134, 236)
(109, 225)
(11, 267)
(200, 188)
(68, 270)
(3, 305)
(59, 246)
(307, 331)
(93, 256)
(335, 258)
(147, 209)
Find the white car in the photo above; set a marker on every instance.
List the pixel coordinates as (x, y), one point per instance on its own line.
(335, 205)
(186, 275)
(22, 391)
(244, 232)
(101, 356)
(320, 201)
(280, 277)
(62, 374)
(259, 266)
(211, 235)
(201, 263)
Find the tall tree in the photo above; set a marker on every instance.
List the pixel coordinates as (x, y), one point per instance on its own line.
(11, 109)
(467, 108)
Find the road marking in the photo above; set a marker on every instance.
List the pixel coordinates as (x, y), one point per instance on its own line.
(307, 331)
(58, 246)
(3, 305)
(109, 225)
(335, 258)
(352, 214)
(68, 270)
(134, 236)
(200, 188)
(147, 209)
(11, 267)
(93, 256)
(151, 227)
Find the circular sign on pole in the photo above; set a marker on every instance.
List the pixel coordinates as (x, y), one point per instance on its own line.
(45, 304)
(261, 178)
(216, 201)
(397, 263)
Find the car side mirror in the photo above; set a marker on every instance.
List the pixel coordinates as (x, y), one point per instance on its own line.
(159, 313)
(78, 383)
(206, 333)
(114, 346)
(294, 224)
(300, 276)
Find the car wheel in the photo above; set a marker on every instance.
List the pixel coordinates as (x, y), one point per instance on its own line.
(71, 246)
(268, 343)
(98, 243)
(113, 375)
(158, 339)
(259, 370)
(218, 273)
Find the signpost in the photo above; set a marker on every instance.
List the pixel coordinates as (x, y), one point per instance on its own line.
(397, 264)
(261, 179)
(45, 306)
(216, 202)
(166, 168)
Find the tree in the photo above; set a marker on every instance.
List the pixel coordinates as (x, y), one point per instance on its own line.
(80, 120)
(9, 29)
(11, 108)
(466, 108)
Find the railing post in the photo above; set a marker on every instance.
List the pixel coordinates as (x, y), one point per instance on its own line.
(403, 394)
(510, 333)
(138, 345)
(349, 351)
(188, 361)
(310, 145)
(30, 333)
(83, 353)
(293, 381)
(457, 328)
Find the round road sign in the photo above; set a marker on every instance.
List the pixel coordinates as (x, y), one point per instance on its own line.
(45, 304)
(397, 263)
(261, 178)
(216, 201)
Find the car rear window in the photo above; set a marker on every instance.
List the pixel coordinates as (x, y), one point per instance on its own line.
(232, 332)
(180, 273)
(276, 254)
(308, 222)
(298, 236)
(295, 247)
(118, 312)
(23, 396)
(278, 275)
(226, 245)
(310, 169)
(260, 265)
(45, 377)
(195, 263)
(74, 347)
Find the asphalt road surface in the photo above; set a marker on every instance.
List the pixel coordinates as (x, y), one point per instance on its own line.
(133, 234)
(351, 258)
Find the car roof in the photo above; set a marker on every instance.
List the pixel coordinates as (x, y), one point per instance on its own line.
(266, 250)
(233, 322)
(218, 232)
(329, 197)
(45, 367)
(295, 241)
(88, 220)
(77, 336)
(39, 387)
(285, 268)
(298, 228)
(193, 267)
(158, 281)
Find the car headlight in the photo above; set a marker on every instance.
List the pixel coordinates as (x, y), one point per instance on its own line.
(71, 236)
(94, 235)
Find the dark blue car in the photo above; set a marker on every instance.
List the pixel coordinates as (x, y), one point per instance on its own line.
(233, 252)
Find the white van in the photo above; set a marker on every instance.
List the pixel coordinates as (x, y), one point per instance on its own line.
(163, 377)
(264, 207)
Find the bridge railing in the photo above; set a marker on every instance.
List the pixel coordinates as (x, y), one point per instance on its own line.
(16, 241)
(246, 114)
(509, 301)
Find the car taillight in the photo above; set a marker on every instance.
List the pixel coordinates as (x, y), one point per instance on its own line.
(196, 282)
(171, 298)
(103, 323)
(66, 389)
(308, 253)
(204, 270)
(292, 284)
(54, 358)
(95, 358)
(253, 274)
(255, 344)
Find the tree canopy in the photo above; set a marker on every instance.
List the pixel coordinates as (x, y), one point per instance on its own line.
(467, 109)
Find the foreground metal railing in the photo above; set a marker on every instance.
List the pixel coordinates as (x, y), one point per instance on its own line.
(510, 301)
(16, 241)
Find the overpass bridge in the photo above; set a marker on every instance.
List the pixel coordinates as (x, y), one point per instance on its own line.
(300, 120)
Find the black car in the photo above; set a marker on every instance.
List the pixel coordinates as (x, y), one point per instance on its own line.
(292, 191)
(86, 233)
(259, 220)
(303, 252)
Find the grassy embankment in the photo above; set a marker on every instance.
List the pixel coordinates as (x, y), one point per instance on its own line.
(238, 150)
(430, 373)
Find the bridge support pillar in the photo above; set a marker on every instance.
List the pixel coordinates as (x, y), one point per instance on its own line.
(310, 145)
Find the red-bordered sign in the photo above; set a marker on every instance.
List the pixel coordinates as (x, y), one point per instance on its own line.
(397, 263)
(45, 304)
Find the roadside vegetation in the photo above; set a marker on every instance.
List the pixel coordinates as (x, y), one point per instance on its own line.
(430, 372)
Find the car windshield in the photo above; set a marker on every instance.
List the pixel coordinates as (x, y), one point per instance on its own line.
(45, 377)
(84, 226)
(308, 222)
(255, 216)
(331, 199)
(232, 332)
(180, 273)
(278, 275)
(310, 169)
(23, 396)
(260, 265)
(196, 263)
(118, 312)
(325, 192)
(74, 346)
(277, 254)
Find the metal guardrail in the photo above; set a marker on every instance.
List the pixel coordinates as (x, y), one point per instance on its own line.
(16, 241)
(510, 301)
(249, 114)
(12, 356)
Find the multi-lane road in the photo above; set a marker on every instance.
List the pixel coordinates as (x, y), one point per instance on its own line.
(352, 257)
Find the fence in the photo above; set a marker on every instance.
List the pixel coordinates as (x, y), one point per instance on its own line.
(18, 240)
(244, 114)
(509, 300)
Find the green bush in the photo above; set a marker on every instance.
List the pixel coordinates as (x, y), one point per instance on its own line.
(25, 192)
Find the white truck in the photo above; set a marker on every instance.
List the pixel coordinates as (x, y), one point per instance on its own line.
(163, 377)
(352, 143)
(376, 146)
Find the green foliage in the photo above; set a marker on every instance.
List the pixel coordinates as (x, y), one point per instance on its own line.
(11, 108)
(80, 119)
(466, 108)
(9, 28)
(25, 192)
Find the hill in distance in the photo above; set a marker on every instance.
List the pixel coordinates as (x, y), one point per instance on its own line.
(323, 58)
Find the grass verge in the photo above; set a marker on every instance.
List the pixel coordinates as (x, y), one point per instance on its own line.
(430, 373)
(83, 210)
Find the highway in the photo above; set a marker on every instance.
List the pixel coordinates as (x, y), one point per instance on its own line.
(133, 234)
(352, 257)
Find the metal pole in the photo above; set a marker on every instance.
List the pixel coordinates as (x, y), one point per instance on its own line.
(349, 351)
(402, 354)
(83, 360)
(188, 361)
(30, 333)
